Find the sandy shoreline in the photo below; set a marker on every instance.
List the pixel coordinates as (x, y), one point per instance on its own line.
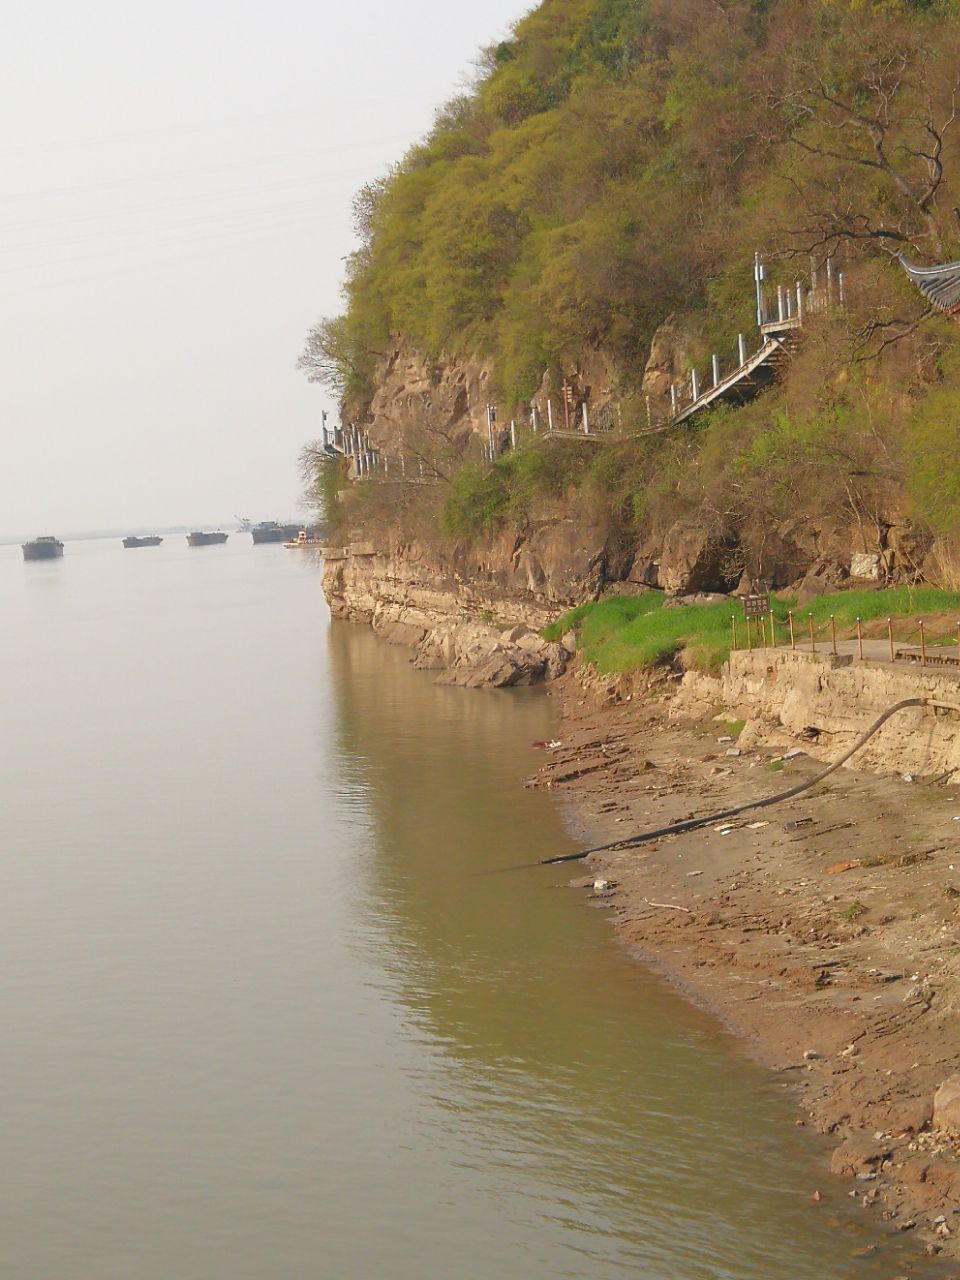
(824, 931)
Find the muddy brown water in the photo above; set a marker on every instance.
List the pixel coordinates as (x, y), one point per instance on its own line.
(264, 1019)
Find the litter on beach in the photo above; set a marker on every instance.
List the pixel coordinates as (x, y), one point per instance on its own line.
(838, 868)
(757, 826)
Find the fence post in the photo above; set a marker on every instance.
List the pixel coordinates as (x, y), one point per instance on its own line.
(799, 302)
(742, 349)
(733, 623)
(923, 644)
(513, 433)
(833, 633)
(694, 389)
(813, 642)
(780, 302)
(549, 415)
(673, 400)
(773, 634)
(715, 369)
(586, 420)
(860, 639)
(890, 636)
(793, 638)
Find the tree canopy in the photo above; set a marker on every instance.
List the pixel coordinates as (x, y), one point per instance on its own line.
(619, 160)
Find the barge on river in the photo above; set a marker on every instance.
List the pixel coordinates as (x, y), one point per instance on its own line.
(271, 531)
(134, 541)
(201, 539)
(45, 548)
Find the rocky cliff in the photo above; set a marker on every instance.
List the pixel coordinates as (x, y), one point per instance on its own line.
(479, 622)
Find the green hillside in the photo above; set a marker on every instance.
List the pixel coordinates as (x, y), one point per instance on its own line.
(617, 163)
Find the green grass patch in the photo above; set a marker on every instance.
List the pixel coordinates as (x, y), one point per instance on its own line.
(626, 633)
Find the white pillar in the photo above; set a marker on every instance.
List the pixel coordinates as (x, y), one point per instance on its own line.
(715, 369)
(742, 349)
(758, 275)
(550, 415)
(513, 433)
(586, 420)
(694, 388)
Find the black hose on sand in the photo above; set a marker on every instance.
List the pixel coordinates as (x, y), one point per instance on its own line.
(691, 824)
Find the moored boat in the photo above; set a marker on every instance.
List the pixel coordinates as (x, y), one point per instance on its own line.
(45, 548)
(271, 531)
(200, 539)
(133, 541)
(303, 539)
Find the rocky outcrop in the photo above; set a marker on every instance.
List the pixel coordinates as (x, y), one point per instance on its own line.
(477, 618)
(413, 394)
(475, 654)
(946, 1106)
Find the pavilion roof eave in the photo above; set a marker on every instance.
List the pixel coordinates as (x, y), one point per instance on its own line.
(940, 284)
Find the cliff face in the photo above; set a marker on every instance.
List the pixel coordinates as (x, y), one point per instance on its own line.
(412, 394)
(476, 619)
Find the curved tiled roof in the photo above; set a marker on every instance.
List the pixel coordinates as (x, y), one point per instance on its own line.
(940, 284)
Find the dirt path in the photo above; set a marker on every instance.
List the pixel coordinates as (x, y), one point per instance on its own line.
(826, 931)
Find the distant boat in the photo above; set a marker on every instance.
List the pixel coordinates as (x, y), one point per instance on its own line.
(134, 541)
(199, 539)
(271, 531)
(45, 548)
(303, 539)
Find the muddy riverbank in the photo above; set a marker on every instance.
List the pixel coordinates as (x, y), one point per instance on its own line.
(824, 931)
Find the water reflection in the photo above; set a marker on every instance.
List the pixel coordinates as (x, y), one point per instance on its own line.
(264, 1020)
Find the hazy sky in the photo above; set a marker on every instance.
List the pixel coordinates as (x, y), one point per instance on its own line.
(175, 208)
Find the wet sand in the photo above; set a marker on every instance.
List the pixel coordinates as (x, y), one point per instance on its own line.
(824, 931)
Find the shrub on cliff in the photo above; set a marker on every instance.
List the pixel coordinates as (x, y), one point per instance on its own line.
(620, 160)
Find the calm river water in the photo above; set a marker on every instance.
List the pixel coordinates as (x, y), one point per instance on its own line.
(263, 1020)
